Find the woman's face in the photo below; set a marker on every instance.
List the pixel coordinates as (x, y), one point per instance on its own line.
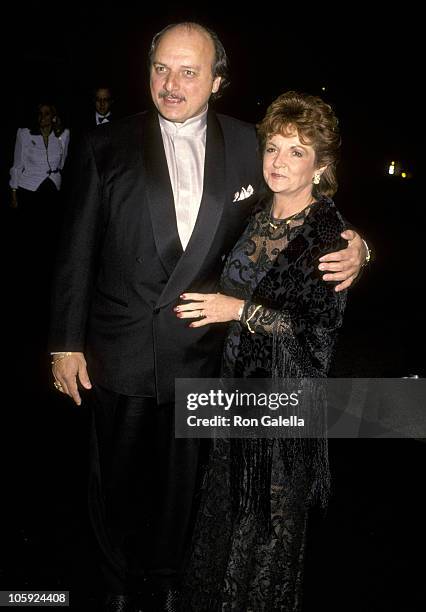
(45, 116)
(288, 165)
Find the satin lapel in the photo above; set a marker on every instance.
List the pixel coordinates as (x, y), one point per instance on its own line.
(160, 195)
(210, 213)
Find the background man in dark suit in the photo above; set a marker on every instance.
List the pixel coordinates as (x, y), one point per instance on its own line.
(157, 201)
(103, 105)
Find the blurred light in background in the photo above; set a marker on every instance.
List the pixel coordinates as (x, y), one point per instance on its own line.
(395, 168)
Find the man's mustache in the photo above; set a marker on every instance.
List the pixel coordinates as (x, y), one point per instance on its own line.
(166, 94)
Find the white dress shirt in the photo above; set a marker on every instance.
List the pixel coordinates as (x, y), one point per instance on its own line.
(101, 119)
(185, 148)
(34, 162)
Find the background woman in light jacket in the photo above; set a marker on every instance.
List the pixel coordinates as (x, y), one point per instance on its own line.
(35, 182)
(40, 153)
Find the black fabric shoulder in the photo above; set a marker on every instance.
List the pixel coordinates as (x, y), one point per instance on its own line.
(120, 128)
(236, 124)
(326, 225)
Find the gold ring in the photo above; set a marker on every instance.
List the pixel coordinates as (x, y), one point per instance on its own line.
(201, 314)
(57, 386)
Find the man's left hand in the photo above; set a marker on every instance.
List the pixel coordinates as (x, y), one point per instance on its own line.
(344, 265)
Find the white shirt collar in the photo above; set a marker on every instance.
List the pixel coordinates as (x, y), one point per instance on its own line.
(98, 115)
(193, 125)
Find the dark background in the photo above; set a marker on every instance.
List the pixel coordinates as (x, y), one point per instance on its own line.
(366, 555)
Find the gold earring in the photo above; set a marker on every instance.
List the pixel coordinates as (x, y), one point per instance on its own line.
(317, 178)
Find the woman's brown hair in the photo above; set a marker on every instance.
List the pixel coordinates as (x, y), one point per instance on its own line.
(316, 125)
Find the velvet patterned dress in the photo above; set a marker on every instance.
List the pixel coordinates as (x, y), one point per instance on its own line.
(248, 545)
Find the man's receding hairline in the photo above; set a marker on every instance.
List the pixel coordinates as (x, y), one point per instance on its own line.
(219, 65)
(188, 26)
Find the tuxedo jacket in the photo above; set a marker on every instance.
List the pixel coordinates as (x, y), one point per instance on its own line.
(87, 121)
(121, 268)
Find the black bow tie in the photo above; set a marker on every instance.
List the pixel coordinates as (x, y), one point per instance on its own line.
(101, 119)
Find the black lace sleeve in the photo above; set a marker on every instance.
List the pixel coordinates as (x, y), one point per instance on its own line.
(325, 312)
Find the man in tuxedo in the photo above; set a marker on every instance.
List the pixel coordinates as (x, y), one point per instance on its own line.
(103, 105)
(158, 201)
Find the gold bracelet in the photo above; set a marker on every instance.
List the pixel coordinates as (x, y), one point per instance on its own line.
(61, 356)
(250, 318)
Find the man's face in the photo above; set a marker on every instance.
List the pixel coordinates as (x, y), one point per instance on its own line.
(181, 74)
(103, 101)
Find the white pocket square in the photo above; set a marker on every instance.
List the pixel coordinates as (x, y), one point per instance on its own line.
(245, 192)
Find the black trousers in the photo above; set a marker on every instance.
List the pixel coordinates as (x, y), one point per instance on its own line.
(34, 243)
(40, 216)
(142, 487)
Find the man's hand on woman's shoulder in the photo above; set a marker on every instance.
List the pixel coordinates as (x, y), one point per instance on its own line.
(345, 265)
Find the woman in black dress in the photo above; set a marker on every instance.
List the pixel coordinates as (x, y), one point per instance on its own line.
(248, 546)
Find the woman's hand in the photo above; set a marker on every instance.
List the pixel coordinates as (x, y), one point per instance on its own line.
(209, 308)
(13, 199)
